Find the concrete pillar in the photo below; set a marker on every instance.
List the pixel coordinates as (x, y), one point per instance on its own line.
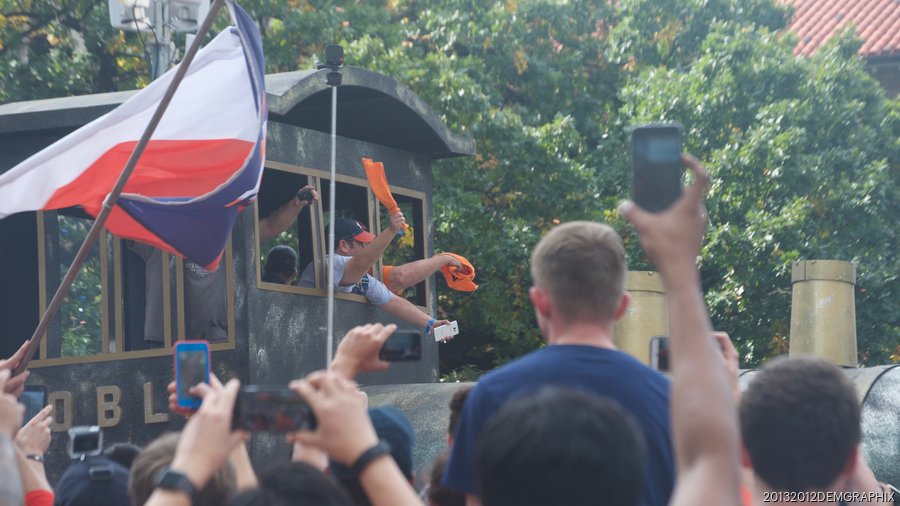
(646, 316)
(823, 311)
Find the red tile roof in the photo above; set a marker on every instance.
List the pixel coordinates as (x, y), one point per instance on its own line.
(877, 22)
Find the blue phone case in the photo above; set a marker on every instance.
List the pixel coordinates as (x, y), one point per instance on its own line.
(191, 367)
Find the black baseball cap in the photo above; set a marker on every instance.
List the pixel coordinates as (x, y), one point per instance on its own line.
(346, 227)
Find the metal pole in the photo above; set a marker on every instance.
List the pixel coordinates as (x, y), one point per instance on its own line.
(161, 46)
(331, 210)
(113, 195)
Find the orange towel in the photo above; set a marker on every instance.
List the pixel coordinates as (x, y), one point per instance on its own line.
(379, 184)
(746, 496)
(386, 277)
(460, 278)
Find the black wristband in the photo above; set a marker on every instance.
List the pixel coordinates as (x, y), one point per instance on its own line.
(170, 479)
(382, 447)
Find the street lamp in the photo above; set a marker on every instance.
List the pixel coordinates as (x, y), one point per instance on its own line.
(161, 18)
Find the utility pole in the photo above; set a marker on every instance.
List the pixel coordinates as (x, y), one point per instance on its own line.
(158, 21)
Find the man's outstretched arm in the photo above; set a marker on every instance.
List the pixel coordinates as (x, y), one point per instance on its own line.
(704, 417)
(364, 259)
(409, 274)
(406, 311)
(284, 216)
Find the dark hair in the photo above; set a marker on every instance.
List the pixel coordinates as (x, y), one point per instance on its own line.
(95, 481)
(392, 426)
(157, 456)
(290, 483)
(560, 446)
(438, 494)
(123, 453)
(800, 423)
(281, 264)
(456, 406)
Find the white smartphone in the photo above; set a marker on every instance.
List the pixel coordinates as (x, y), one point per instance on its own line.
(445, 332)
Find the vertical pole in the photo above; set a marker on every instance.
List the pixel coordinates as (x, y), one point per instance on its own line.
(329, 354)
(161, 46)
(646, 316)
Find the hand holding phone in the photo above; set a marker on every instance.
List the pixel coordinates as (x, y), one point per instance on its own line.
(445, 332)
(34, 398)
(659, 353)
(656, 166)
(402, 347)
(306, 195)
(271, 409)
(191, 368)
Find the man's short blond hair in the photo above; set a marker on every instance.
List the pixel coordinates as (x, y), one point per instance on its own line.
(582, 265)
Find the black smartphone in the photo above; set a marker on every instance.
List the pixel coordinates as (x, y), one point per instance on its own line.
(191, 368)
(656, 166)
(305, 195)
(34, 398)
(402, 347)
(659, 353)
(271, 409)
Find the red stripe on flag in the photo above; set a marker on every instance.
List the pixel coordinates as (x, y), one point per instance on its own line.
(167, 168)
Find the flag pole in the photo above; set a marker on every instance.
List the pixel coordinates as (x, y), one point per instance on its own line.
(334, 59)
(110, 200)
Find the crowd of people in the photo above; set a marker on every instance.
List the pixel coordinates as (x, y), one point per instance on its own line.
(577, 422)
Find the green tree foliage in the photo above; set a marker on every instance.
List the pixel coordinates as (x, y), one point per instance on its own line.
(52, 49)
(804, 152)
(804, 156)
(80, 315)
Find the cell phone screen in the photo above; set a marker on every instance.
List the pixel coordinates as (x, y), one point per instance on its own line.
(86, 443)
(191, 368)
(659, 353)
(402, 347)
(271, 409)
(85, 440)
(34, 398)
(656, 165)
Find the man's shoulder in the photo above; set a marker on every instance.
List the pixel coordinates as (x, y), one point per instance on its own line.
(522, 371)
(562, 364)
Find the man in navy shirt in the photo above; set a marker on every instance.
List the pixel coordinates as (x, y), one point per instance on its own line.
(578, 271)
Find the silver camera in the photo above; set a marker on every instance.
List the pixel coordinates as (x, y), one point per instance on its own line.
(85, 441)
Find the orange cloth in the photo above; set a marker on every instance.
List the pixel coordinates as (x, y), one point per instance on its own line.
(460, 278)
(379, 184)
(746, 496)
(386, 276)
(39, 498)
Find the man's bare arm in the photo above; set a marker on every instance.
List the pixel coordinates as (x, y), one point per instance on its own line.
(284, 216)
(704, 417)
(408, 312)
(10, 420)
(409, 274)
(364, 259)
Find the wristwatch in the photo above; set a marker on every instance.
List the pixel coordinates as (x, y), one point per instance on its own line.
(35, 457)
(170, 479)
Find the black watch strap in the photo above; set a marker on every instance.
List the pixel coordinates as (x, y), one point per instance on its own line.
(382, 447)
(169, 479)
